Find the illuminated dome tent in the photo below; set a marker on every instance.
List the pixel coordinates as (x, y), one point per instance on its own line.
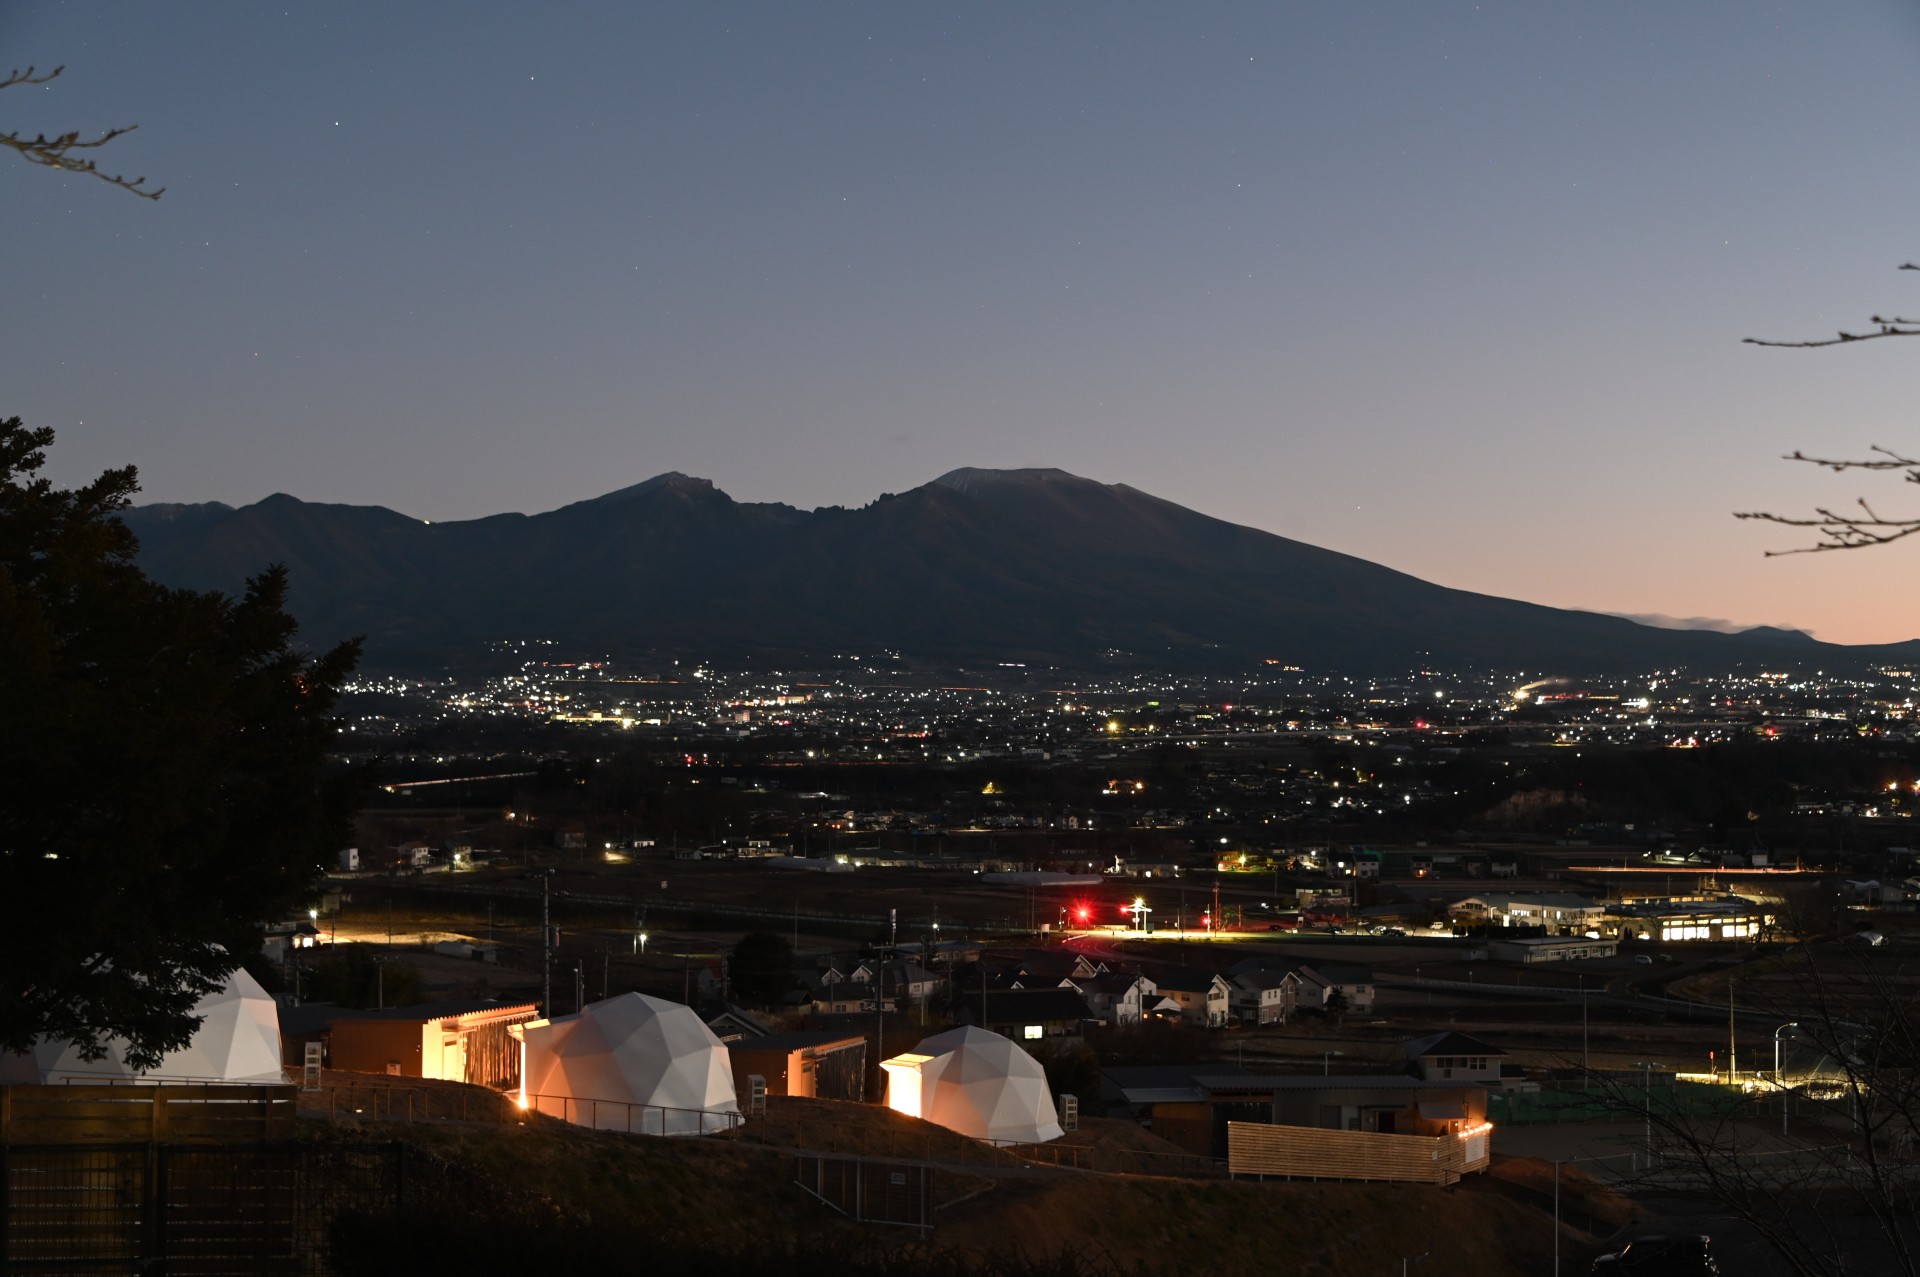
(631, 1063)
(974, 1082)
(238, 1041)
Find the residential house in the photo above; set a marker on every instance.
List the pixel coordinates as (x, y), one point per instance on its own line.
(1454, 1057)
(1318, 983)
(1028, 1015)
(1115, 997)
(1204, 998)
(1264, 997)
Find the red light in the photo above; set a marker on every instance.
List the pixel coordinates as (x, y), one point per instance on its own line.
(1080, 914)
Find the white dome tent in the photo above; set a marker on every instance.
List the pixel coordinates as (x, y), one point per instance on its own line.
(977, 1083)
(631, 1063)
(238, 1041)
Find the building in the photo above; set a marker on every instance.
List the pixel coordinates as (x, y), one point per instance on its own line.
(1264, 997)
(1028, 1015)
(820, 1064)
(1685, 918)
(1204, 998)
(1317, 985)
(1557, 912)
(1190, 1105)
(1454, 1057)
(454, 1041)
(1114, 997)
(1533, 949)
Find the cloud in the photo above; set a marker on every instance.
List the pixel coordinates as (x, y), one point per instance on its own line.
(1661, 621)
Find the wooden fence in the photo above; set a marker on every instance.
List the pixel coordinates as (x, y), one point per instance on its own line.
(1306, 1152)
(79, 1115)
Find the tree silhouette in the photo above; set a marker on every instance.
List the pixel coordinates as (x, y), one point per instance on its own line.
(761, 971)
(162, 753)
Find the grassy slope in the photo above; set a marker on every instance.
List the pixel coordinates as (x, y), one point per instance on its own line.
(729, 1194)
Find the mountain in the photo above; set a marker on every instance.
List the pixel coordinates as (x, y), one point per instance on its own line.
(979, 565)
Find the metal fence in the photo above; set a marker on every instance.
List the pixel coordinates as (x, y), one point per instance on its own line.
(869, 1190)
(186, 1209)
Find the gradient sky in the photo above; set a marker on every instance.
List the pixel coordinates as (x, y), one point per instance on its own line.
(1458, 288)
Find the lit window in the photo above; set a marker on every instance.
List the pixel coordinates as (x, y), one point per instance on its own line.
(1032, 1031)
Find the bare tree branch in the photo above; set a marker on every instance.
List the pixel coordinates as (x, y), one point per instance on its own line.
(1887, 329)
(58, 151)
(1845, 530)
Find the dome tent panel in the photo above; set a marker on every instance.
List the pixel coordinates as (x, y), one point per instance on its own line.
(238, 1042)
(977, 1083)
(631, 1063)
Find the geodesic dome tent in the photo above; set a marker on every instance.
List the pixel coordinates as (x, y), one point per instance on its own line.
(631, 1063)
(977, 1083)
(238, 1041)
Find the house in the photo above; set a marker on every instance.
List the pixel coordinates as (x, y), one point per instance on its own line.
(1319, 983)
(1047, 968)
(1264, 997)
(1454, 1057)
(1114, 997)
(838, 998)
(898, 979)
(1204, 998)
(1028, 1015)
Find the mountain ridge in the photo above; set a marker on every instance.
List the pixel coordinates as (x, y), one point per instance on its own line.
(978, 564)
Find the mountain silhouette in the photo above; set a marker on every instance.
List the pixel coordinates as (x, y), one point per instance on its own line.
(1039, 566)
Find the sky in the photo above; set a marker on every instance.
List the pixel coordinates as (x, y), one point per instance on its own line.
(1458, 288)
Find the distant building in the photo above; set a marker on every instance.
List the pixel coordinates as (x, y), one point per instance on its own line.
(1454, 1057)
(1534, 949)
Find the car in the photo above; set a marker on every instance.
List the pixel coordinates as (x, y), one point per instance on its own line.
(1661, 1255)
(1643, 959)
(1392, 933)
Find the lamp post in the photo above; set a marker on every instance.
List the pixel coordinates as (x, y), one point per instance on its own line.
(1326, 1062)
(1646, 1091)
(1779, 1085)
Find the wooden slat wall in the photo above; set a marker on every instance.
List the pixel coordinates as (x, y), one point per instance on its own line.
(145, 1114)
(1305, 1152)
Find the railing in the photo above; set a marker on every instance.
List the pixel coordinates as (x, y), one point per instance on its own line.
(373, 1102)
(634, 1119)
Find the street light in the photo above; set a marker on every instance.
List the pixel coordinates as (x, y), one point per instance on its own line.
(1326, 1062)
(1646, 1091)
(1779, 1085)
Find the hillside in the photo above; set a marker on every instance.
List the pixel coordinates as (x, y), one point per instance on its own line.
(977, 566)
(546, 1193)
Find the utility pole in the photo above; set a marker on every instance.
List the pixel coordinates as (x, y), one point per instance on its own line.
(579, 985)
(546, 943)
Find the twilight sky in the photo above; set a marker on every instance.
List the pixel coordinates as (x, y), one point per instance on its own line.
(1455, 287)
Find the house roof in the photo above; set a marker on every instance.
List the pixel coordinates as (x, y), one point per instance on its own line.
(1448, 1043)
(1542, 899)
(1314, 1082)
(796, 1041)
(1160, 1083)
(1112, 982)
(319, 1015)
(1185, 980)
(1030, 1004)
